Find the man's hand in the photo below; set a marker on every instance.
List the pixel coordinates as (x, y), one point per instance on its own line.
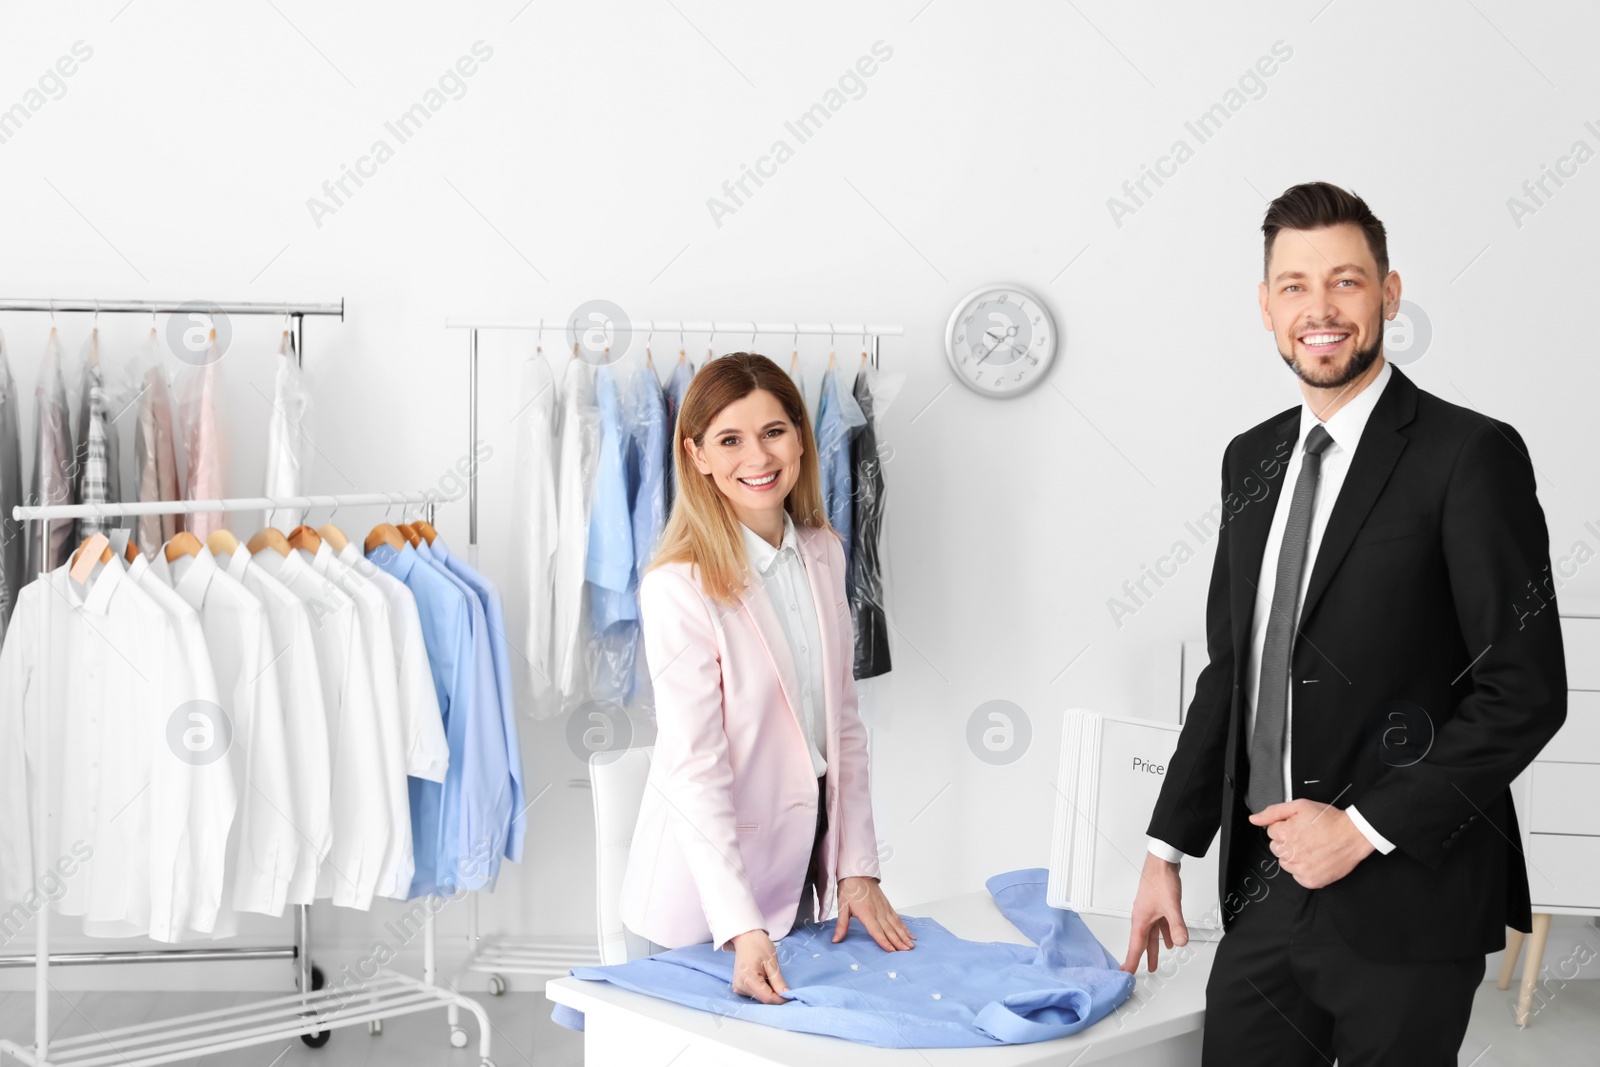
(755, 968)
(862, 898)
(1157, 913)
(1317, 843)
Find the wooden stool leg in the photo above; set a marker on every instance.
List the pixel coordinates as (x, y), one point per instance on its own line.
(1530, 969)
(1513, 947)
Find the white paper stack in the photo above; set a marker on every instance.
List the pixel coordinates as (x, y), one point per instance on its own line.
(1110, 775)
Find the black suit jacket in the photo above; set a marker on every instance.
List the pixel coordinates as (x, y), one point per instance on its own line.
(1426, 673)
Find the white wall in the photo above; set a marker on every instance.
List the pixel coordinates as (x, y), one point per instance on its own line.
(578, 164)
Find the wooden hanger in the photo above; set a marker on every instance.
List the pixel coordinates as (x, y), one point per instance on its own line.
(305, 537)
(183, 543)
(131, 553)
(409, 532)
(222, 542)
(272, 538)
(106, 555)
(425, 529)
(385, 533)
(333, 535)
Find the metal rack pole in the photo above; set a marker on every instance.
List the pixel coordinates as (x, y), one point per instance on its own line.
(841, 329)
(147, 307)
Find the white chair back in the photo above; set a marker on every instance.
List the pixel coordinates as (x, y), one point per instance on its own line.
(617, 780)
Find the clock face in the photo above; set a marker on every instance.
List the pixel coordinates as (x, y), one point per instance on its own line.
(1000, 340)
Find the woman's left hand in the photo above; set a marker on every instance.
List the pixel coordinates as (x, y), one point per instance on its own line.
(862, 898)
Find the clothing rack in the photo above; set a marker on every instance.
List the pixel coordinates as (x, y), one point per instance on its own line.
(310, 1015)
(551, 957)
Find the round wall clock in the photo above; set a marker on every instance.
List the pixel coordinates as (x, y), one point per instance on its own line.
(1000, 340)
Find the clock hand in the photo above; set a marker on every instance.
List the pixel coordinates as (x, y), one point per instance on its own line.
(1010, 331)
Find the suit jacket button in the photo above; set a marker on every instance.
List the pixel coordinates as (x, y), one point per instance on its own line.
(1446, 843)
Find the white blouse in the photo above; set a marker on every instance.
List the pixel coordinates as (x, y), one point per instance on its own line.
(782, 572)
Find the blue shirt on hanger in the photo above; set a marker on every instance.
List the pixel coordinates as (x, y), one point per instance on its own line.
(494, 609)
(608, 567)
(474, 862)
(650, 504)
(945, 993)
(838, 419)
(677, 389)
(447, 636)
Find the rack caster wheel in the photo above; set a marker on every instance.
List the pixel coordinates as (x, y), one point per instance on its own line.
(316, 978)
(487, 1063)
(375, 1027)
(318, 1039)
(498, 986)
(458, 1037)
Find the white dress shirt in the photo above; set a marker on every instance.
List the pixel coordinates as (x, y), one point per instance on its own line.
(1345, 428)
(377, 634)
(782, 571)
(146, 828)
(534, 526)
(264, 843)
(357, 756)
(294, 660)
(580, 456)
(427, 753)
(205, 913)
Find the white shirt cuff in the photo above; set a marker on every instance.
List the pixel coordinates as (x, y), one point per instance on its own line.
(1163, 851)
(1379, 842)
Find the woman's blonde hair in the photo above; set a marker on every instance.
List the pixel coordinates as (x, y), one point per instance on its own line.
(702, 528)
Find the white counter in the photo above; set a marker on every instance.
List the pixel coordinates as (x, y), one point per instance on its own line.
(1157, 1026)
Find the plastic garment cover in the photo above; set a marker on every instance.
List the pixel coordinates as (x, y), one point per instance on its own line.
(197, 407)
(534, 527)
(97, 470)
(945, 993)
(839, 417)
(610, 568)
(155, 457)
(864, 578)
(52, 464)
(648, 424)
(677, 389)
(579, 456)
(286, 451)
(12, 576)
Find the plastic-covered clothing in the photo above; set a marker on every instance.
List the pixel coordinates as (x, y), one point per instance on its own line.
(944, 993)
(534, 527)
(865, 582)
(12, 561)
(839, 417)
(155, 450)
(286, 451)
(677, 389)
(580, 453)
(50, 543)
(198, 407)
(97, 470)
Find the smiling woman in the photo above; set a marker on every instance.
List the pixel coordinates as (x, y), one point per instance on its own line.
(757, 814)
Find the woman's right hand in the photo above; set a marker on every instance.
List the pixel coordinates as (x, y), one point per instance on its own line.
(755, 968)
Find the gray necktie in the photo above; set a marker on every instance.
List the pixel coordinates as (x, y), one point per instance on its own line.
(1266, 743)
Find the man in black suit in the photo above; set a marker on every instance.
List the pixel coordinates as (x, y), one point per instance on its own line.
(1379, 674)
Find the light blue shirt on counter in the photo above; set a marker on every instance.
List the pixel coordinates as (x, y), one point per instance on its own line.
(944, 993)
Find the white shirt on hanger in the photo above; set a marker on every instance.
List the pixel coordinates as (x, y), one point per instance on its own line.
(377, 633)
(580, 455)
(203, 731)
(146, 827)
(535, 528)
(264, 842)
(782, 571)
(360, 799)
(427, 753)
(1345, 427)
(294, 660)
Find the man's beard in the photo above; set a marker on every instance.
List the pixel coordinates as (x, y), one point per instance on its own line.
(1363, 358)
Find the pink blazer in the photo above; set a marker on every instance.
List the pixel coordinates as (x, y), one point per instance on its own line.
(730, 807)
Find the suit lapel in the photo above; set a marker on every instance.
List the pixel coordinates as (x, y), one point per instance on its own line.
(1251, 525)
(1374, 461)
